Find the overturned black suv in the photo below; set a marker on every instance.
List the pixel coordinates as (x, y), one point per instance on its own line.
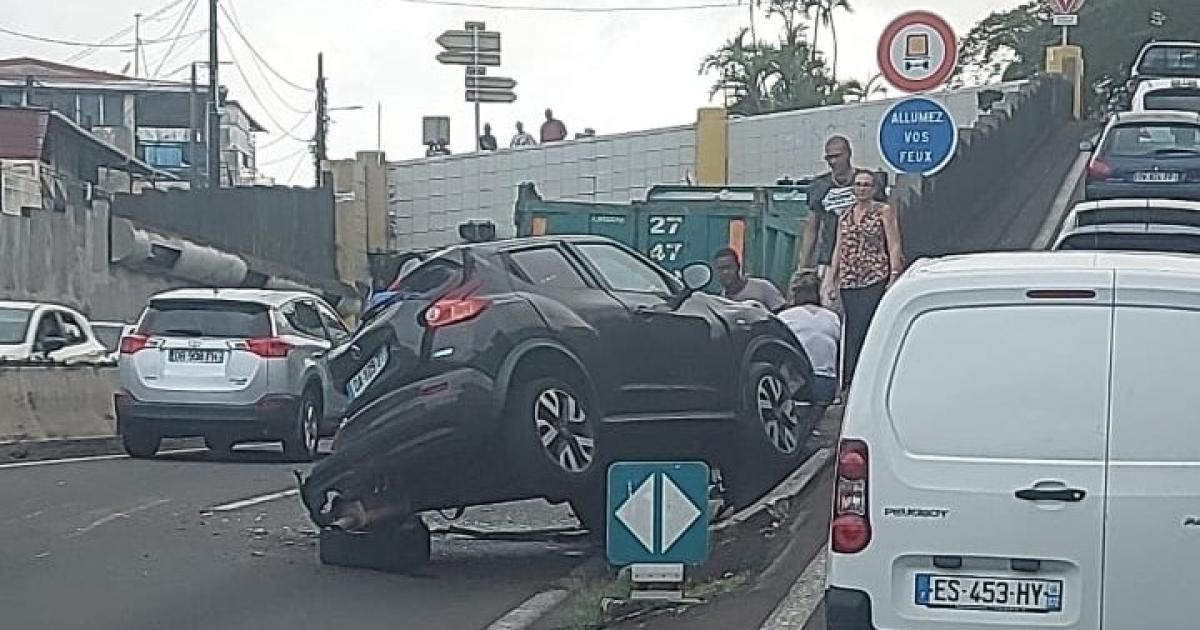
(522, 368)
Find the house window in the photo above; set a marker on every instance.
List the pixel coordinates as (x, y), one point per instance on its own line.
(113, 111)
(89, 110)
(10, 98)
(164, 155)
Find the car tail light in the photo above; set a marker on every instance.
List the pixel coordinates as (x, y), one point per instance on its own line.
(1099, 169)
(850, 531)
(132, 344)
(454, 310)
(268, 347)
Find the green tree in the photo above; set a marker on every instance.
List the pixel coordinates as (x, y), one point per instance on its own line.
(823, 14)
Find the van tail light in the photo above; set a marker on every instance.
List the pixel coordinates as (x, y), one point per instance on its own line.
(268, 347)
(1099, 169)
(455, 307)
(850, 531)
(132, 344)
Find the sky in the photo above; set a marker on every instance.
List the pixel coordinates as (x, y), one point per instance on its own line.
(609, 69)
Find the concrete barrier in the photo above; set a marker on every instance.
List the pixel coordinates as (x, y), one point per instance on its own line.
(56, 402)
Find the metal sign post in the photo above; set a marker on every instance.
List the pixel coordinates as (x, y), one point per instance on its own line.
(1066, 15)
(477, 48)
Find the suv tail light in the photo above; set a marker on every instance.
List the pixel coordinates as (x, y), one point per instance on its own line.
(132, 344)
(268, 347)
(1099, 169)
(455, 307)
(850, 531)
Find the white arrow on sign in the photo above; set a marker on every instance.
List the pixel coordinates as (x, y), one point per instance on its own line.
(677, 516)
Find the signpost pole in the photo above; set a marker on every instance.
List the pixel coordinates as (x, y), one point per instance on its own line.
(1066, 38)
(475, 40)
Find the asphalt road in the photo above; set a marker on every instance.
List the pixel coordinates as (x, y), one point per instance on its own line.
(121, 544)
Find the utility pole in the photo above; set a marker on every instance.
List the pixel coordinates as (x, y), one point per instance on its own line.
(137, 45)
(193, 175)
(213, 136)
(322, 133)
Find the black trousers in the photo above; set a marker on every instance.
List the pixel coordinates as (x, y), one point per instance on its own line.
(859, 307)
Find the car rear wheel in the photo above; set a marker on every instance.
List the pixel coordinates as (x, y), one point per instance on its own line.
(556, 437)
(306, 436)
(773, 427)
(140, 444)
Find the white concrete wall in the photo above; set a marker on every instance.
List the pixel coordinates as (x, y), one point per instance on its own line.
(764, 148)
(429, 198)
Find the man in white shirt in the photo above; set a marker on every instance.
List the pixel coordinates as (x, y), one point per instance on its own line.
(819, 331)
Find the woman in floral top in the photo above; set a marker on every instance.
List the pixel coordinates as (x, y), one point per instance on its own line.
(867, 259)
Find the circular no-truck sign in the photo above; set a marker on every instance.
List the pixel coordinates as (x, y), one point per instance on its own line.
(918, 51)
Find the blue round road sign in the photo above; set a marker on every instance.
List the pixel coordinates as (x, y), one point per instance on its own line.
(918, 135)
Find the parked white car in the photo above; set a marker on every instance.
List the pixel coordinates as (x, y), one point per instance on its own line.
(36, 331)
(1026, 453)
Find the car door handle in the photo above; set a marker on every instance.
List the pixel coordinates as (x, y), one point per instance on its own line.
(1064, 495)
(645, 311)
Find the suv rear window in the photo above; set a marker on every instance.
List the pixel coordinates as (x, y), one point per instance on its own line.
(200, 318)
(1142, 242)
(1183, 99)
(1171, 61)
(1008, 382)
(1153, 140)
(431, 280)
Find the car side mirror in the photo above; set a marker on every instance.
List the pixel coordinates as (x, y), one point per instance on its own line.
(51, 344)
(696, 276)
(1087, 146)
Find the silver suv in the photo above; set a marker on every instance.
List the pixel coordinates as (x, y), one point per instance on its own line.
(230, 365)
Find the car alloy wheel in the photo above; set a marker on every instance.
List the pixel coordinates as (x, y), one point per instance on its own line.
(566, 434)
(778, 413)
(310, 426)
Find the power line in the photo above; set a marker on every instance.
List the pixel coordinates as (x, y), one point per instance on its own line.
(270, 83)
(470, 4)
(250, 87)
(282, 159)
(68, 42)
(288, 136)
(185, 16)
(246, 40)
(123, 32)
(296, 168)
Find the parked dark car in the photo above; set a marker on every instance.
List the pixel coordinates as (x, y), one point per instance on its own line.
(1146, 154)
(520, 369)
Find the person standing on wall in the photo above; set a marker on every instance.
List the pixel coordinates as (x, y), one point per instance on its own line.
(867, 259)
(829, 196)
(487, 142)
(522, 138)
(553, 130)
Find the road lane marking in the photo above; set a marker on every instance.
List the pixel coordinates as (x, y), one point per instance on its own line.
(802, 599)
(94, 458)
(529, 611)
(252, 501)
(79, 531)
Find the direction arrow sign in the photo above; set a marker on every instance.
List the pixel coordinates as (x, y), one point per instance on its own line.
(1066, 7)
(469, 59)
(657, 513)
(490, 83)
(918, 135)
(490, 96)
(464, 41)
(917, 51)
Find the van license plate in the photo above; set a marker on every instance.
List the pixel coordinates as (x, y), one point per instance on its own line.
(1156, 177)
(989, 593)
(196, 356)
(361, 381)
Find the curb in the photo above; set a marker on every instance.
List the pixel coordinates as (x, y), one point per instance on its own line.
(44, 450)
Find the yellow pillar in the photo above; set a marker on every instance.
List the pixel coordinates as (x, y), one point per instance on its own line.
(1068, 61)
(712, 146)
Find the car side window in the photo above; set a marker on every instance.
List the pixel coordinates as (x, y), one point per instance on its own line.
(546, 267)
(47, 328)
(304, 319)
(334, 325)
(625, 272)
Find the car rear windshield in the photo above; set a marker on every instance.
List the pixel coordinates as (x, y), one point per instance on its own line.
(199, 318)
(432, 279)
(1171, 61)
(1182, 99)
(1154, 140)
(13, 324)
(1146, 242)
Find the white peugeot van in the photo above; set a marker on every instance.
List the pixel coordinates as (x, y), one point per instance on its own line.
(1025, 451)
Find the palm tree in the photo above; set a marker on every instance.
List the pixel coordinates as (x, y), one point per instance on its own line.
(822, 12)
(855, 91)
(741, 69)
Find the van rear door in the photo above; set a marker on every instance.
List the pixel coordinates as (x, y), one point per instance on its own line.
(986, 478)
(1152, 541)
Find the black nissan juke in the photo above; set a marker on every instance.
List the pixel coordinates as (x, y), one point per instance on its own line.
(522, 368)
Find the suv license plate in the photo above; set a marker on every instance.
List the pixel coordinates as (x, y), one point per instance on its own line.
(1156, 177)
(989, 593)
(196, 356)
(361, 381)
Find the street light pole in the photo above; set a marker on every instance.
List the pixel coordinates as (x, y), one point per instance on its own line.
(213, 137)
